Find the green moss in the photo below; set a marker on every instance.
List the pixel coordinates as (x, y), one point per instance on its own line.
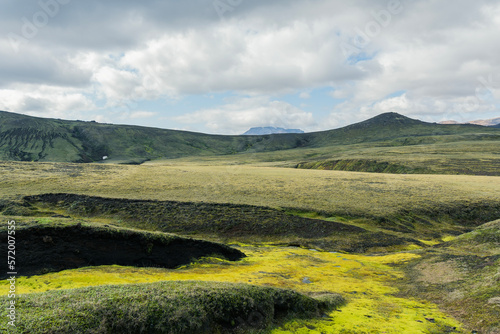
(367, 283)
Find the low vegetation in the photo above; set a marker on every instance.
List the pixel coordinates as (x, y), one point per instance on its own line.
(331, 192)
(368, 284)
(370, 166)
(463, 276)
(244, 223)
(164, 307)
(228, 222)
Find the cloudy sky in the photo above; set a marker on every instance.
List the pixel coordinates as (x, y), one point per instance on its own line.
(223, 66)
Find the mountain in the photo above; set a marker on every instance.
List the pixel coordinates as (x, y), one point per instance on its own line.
(487, 122)
(484, 122)
(26, 138)
(450, 122)
(268, 130)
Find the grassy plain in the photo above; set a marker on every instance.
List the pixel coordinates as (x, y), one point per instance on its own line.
(333, 192)
(456, 155)
(379, 288)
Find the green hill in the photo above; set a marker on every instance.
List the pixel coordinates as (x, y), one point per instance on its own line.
(25, 138)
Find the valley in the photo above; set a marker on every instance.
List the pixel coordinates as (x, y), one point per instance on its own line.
(356, 230)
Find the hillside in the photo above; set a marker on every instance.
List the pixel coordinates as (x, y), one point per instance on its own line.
(25, 138)
(461, 275)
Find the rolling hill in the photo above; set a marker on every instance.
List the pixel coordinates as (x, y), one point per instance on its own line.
(26, 138)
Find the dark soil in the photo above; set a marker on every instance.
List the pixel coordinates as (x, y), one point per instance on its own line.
(46, 249)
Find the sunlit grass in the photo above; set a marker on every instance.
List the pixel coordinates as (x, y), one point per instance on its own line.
(367, 282)
(448, 238)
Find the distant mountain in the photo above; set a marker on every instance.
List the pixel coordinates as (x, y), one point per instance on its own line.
(268, 130)
(26, 138)
(483, 122)
(486, 122)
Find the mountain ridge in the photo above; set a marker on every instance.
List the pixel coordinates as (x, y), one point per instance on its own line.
(495, 122)
(28, 138)
(269, 130)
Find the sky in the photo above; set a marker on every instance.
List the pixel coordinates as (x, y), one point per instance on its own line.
(224, 66)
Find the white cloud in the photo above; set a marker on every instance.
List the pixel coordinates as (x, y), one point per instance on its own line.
(435, 53)
(45, 101)
(117, 85)
(238, 57)
(305, 95)
(239, 115)
(143, 114)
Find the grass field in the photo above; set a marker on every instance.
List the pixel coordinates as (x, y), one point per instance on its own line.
(333, 192)
(457, 156)
(391, 291)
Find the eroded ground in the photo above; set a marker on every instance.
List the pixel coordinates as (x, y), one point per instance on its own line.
(51, 247)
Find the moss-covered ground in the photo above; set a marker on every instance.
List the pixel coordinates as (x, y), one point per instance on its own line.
(367, 283)
(463, 276)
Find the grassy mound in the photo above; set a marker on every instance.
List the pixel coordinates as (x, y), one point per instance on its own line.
(164, 307)
(247, 223)
(484, 240)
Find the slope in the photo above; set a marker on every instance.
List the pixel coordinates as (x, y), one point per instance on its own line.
(25, 138)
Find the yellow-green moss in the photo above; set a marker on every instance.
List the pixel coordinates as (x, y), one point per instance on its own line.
(367, 282)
